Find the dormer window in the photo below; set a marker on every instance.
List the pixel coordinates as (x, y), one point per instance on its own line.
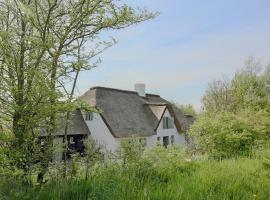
(88, 116)
(168, 123)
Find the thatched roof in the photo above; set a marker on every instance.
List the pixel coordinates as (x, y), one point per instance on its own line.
(126, 113)
(76, 125)
(185, 120)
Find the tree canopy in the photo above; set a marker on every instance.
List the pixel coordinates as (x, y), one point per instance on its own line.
(236, 113)
(45, 44)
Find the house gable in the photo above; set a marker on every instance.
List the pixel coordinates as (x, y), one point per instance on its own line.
(160, 127)
(173, 135)
(101, 133)
(168, 108)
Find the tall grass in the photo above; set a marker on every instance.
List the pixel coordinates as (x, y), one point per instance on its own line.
(159, 174)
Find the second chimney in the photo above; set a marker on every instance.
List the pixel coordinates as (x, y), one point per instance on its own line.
(140, 89)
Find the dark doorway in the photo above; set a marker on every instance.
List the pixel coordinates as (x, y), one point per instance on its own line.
(75, 145)
(165, 141)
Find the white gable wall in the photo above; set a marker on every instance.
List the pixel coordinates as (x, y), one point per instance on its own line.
(101, 134)
(179, 139)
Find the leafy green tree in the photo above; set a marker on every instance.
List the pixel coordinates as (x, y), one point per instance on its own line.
(236, 113)
(185, 109)
(218, 96)
(249, 87)
(227, 134)
(42, 47)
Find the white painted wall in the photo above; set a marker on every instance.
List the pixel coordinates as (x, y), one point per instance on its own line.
(101, 134)
(179, 138)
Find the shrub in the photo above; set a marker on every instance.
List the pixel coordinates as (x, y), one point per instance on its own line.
(227, 134)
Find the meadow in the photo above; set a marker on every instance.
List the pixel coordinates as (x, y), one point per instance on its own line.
(157, 174)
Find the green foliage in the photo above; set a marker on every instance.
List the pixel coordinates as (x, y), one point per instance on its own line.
(249, 89)
(130, 149)
(42, 51)
(236, 114)
(228, 135)
(93, 155)
(218, 96)
(172, 175)
(187, 109)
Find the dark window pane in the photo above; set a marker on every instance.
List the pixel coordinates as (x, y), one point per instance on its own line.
(89, 116)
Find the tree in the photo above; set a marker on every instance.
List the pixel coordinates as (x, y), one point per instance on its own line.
(218, 96)
(236, 117)
(228, 134)
(40, 43)
(186, 109)
(249, 87)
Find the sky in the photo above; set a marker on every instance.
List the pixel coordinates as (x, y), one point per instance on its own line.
(188, 45)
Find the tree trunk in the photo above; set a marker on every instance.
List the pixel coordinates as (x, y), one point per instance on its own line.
(19, 125)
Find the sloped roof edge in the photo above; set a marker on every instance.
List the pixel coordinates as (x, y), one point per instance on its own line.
(176, 120)
(120, 90)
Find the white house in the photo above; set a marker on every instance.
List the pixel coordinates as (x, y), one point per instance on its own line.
(125, 114)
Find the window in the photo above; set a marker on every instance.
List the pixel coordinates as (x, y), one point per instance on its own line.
(89, 116)
(172, 139)
(168, 122)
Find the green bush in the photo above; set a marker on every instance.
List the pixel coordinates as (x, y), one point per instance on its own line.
(228, 134)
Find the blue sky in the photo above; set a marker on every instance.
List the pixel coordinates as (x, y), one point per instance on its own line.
(188, 45)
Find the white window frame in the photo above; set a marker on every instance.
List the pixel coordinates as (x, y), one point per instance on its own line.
(89, 116)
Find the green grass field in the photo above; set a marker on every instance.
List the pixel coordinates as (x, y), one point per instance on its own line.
(242, 178)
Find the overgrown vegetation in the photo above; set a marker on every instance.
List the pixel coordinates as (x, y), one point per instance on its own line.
(157, 174)
(44, 46)
(186, 109)
(236, 114)
(43, 51)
